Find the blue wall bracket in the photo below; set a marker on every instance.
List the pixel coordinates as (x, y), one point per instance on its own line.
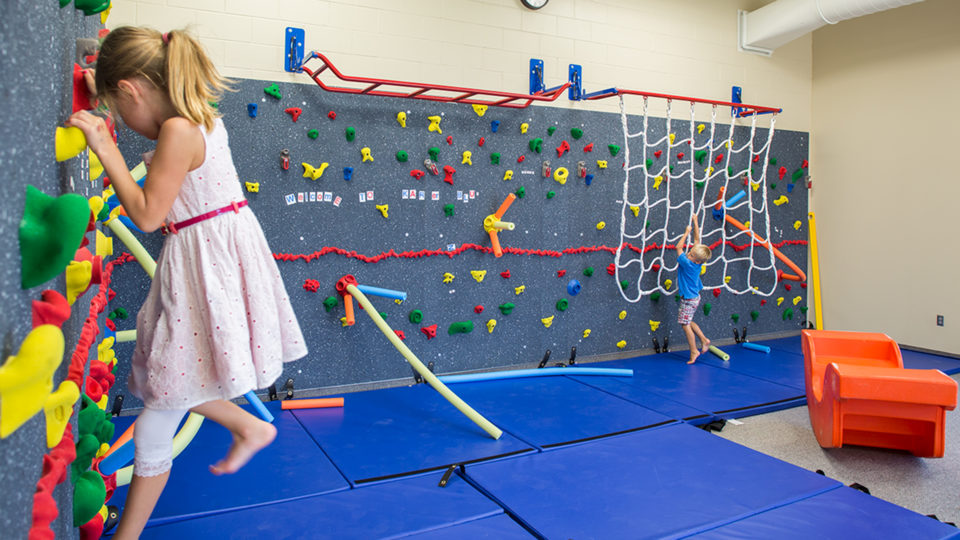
(536, 76)
(736, 96)
(293, 49)
(575, 76)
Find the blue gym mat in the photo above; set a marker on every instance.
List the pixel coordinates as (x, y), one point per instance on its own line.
(922, 360)
(659, 482)
(391, 509)
(492, 528)
(839, 514)
(381, 434)
(553, 410)
(292, 467)
(778, 366)
(638, 395)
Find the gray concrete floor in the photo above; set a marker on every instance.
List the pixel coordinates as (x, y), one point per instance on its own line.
(926, 486)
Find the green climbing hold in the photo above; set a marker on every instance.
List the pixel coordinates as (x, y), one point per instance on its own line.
(797, 174)
(50, 233)
(274, 91)
(448, 210)
(89, 494)
(434, 153)
(706, 308)
(735, 317)
(699, 155)
(536, 145)
(462, 327)
(624, 283)
(649, 163)
(647, 225)
(330, 302)
(754, 315)
(677, 298)
(495, 158)
(119, 313)
(773, 186)
(803, 309)
(588, 271)
(402, 156)
(350, 133)
(551, 194)
(655, 296)
(773, 161)
(576, 133)
(551, 129)
(415, 316)
(521, 192)
(383, 315)
(700, 184)
(313, 133)
(729, 171)
(614, 149)
(562, 304)
(507, 308)
(671, 168)
(788, 314)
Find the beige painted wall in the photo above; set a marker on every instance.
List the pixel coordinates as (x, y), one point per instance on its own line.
(684, 47)
(885, 172)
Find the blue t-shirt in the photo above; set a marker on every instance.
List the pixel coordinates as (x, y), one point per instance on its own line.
(688, 277)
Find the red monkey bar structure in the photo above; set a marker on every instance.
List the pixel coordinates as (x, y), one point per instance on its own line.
(470, 96)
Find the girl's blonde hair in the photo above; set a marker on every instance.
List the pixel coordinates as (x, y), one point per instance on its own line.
(174, 62)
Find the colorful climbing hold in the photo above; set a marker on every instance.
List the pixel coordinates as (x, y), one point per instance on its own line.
(706, 308)
(495, 158)
(350, 133)
(507, 174)
(547, 321)
(602, 163)
(434, 124)
(402, 119)
(332, 115)
(461, 327)
(564, 147)
(329, 303)
(273, 91)
(614, 149)
(507, 308)
(588, 271)
(480, 109)
(294, 112)
(536, 145)
(448, 277)
(478, 275)
(491, 324)
(561, 174)
(429, 331)
(494, 125)
(313, 133)
(402, 156)
(415, 316)
(384, 210)
(252, 110)
(467, 158)
(434, 153)
(365, 154)
(621, 344)
(448, 209)
(252, 187)
(524, 127)
(735, 317)
(551, 194)
(573, 287)
(551, 129)
(519, 290)
(347, 173)
(654, 325)
(622, 315)
(754, 315)
(521, 192)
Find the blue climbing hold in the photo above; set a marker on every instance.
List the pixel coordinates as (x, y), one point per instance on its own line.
(252, 110)
(573, 287)
(494, 125)
(347, 173)
(588, 179)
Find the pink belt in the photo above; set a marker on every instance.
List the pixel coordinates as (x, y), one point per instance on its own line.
(174, 228)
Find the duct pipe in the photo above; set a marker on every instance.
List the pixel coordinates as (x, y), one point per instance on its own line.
(763, 30)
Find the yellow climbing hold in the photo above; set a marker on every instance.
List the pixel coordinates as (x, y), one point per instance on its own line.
(524, 127)
(384, 209)
(726, 279)
(252, 187)
(68, 142)
(343, 321)
(507, 175)
(448, 277)
(797, 225)
(104, 244)
(78, 275)
(657, 180)
(621, 344)
(58, 408)
(547, 321)
(746, 224)
(365, 154)
(491, 324)
(654, 325)
(478, 275)
(467, 155)
(602, 163)
(779, 300)
(586, 333)
(622, 315)
(755, 185)
(636, 210)
(561, 174)
(797, 300)
(26, 379)
(703, 269)
(700, 128)
(313, 173)
(673, 137)
(402, 119)
(519, 290)
(782, 200)
(709, 170)
(667, 284)
(434, 124)
(601, 225)
(480, 109)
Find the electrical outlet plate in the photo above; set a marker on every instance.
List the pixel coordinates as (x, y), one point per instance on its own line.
(939, 320)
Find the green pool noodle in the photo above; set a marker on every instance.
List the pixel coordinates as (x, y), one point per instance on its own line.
(462, 327)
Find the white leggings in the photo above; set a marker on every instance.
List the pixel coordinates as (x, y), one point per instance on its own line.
(153, 439)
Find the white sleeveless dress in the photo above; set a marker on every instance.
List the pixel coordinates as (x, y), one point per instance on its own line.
(217, 321)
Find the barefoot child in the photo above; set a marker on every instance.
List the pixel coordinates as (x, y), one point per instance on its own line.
(688, 281)
(216, 322)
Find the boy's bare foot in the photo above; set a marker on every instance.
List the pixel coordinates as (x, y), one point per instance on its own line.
(706, 346)
(246, 443)
(693, 357)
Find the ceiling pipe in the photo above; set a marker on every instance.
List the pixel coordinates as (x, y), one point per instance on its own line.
(763, 30)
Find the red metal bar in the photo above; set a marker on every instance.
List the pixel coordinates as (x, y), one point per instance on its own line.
(495, 98)
(749, 109)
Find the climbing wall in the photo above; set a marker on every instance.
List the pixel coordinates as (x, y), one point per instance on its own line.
(38, 44)
(391, 223)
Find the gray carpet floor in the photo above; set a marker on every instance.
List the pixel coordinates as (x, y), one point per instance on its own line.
(926, 486)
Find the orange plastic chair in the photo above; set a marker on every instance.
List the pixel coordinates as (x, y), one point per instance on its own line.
(859, 393)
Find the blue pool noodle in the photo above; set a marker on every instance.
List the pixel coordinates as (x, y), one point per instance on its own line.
(542, 372)
(755, 347)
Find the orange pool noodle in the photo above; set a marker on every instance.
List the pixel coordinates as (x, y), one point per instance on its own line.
(313, 403)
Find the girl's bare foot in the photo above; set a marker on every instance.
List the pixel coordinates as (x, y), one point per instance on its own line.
(246, 443)
(693, 357)
(706, 346)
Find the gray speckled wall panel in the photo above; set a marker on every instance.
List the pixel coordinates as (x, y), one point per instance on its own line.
(360, 353)
(36, 59)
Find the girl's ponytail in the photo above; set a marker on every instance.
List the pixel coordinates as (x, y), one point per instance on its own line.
(193, 82)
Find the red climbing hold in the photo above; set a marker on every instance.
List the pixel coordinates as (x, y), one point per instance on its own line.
(716, 293)
(561, 273)
(658, 153)
(588, 148)
(481, 141)
(756, 158)
(332, 115)
(478, 309)
(680, 155)
(718, 159)
(448, 174)
(429, 331)
(417, 173)
(803, 285)
(52, 308)
(521, 158)
(505, 274)
(781, 172)
(294, 112)
(787, 287)
(805, 164)
(400, 334)
(655, 267)
(611, 269)
(763, 302)
(564, 147)
(311, 285)
(450, 139)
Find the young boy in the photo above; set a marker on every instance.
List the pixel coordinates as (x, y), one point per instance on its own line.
(689, 266)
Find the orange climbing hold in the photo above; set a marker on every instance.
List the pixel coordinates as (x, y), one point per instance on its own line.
(859, 393)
